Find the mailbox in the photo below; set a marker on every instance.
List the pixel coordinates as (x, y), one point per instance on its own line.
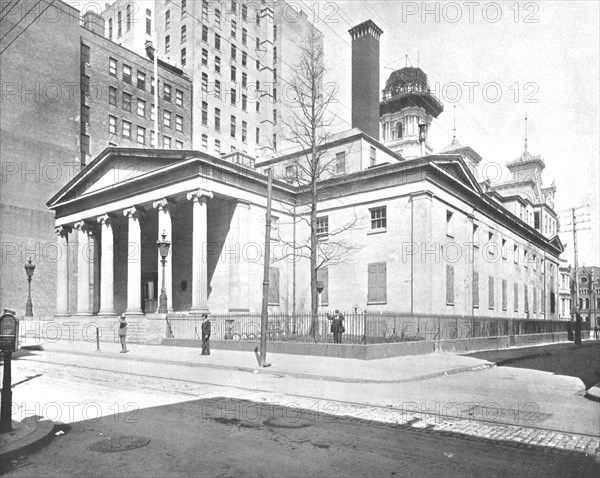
(9, 332)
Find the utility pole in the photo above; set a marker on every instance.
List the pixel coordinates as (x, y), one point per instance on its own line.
(264, 318)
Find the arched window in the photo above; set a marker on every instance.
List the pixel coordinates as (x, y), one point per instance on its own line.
(148, 22)
(110, 28)
(587, 304)
(399, 130)
(128, 16)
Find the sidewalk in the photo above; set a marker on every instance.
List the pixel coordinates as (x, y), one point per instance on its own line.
(389, 370)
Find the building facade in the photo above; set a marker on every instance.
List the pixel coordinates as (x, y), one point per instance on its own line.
(588, 285)
(564, 293)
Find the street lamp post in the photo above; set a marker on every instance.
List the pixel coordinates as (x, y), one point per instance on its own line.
(163, 249)
(29, 268)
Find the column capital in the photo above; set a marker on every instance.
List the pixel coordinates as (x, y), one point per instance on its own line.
(105, 219)
(63, 230)
(242, 203)
(199, 195)
(135, 211)
(85, 226)
(164, 204)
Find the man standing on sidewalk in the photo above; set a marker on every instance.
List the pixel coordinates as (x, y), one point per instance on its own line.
(205, 335)
(123, 333)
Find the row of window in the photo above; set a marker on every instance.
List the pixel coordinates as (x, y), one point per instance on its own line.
(128, 22)
(504, 294)
(142, 136)
(584, 304)
(127, 77)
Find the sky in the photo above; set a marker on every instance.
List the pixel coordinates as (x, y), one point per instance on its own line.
(497, 62)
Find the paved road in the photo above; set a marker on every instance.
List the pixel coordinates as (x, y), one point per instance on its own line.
(582, 361)
(195, 432)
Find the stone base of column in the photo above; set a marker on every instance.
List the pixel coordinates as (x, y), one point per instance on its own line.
(62, 315)
(83, 314)
(107, 313)
(134, 312)
(200, 310)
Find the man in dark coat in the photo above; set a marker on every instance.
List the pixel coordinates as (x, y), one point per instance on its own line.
(205, 335)
(337, 327)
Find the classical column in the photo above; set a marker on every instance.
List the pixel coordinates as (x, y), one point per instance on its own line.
(199, 238)
(85, 255)
(166, 209)
(237, 240)
(106, 265)
(62, 271)
(134, 260)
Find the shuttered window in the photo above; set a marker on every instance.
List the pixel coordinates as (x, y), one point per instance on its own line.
(516, 297)
(377, 282)
(491, 292)
(504, 300)
(273, 286)
(323, 276)
(450, 285)
(475, 289)
(526, 297)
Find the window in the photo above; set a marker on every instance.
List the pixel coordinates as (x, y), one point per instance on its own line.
(179, 97)
(167, 92)
(535, 308)
(183, 8)
(112, 124)
(204, 113)
(151, 85)
(233, 53)
(322, 226)
(475, 289)
(217, 119)
(273, 286)
(127, 74)
(373, 156)
(449, 224)
(183, 57)
(167, 43)
(141, 135)
(475, 237)
(112, 96)
(167, 118)
(504, 248)
(126, 129)
(204, 82)
(258, 64)
(218, 147)
(141, 80)
(85, 144)
(323, 278)
(85, 86)
(275, 141)
(217, 89)
(526, 298)
(233, 28)
(290, 172)
(274, 32)
(217, 64)
(378, 218)
(244, 36)
(183, 33)
(141, 108)
(204, 33)
(233, 73)
(127, 101)
(232, 127)
(204, 142)
(204, 10)
(179, 123)
(244, 132)
(516, 297)
(552, 302)
(218, 41)
(536, 220)
(204, 57)
(119, 29)
(110, 29)
(128, 17)
(257, 135)
(274, 54)
(504, 300)
(491, 292)
(244, 12)
(377, 283)
(244, 80)
(233, 96)
(217, 18)
(449, 285)
(491, 249)
(152, 142)
(274, 116)
(152, 112)
(112, 67)
(257, 43)
(258, 106)
(166, 142)
(178, 144)
(516, 253)
(167, 19)
(340, 163)
(148, 22)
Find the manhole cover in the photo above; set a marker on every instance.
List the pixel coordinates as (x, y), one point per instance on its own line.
(119, 444)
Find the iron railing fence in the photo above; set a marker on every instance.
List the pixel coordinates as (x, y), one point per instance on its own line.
(360, 327)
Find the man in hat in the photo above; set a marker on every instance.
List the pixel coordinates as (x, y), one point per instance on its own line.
(337, 327)
(205, 335)
(123, 333)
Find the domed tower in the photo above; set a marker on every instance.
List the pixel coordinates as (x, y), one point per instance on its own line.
(407, 103)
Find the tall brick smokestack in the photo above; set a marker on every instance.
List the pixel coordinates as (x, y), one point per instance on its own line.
(365, 77)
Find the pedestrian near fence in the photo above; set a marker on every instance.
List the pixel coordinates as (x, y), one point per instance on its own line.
(123, 333)
(205, 335)
(337, 326)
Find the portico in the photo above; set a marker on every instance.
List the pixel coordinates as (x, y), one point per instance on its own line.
(111, 214)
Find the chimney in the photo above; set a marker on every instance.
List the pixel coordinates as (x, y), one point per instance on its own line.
(93, 22)
(365, 77)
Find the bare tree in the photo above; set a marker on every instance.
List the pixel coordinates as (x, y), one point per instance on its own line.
(312, 169)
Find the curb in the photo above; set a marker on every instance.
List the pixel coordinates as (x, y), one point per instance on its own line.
(33, 441)
(301, 375)
(593, 393)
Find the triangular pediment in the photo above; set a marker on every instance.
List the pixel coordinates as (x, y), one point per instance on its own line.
(458, 170)
(116, 167)
(556, 242)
